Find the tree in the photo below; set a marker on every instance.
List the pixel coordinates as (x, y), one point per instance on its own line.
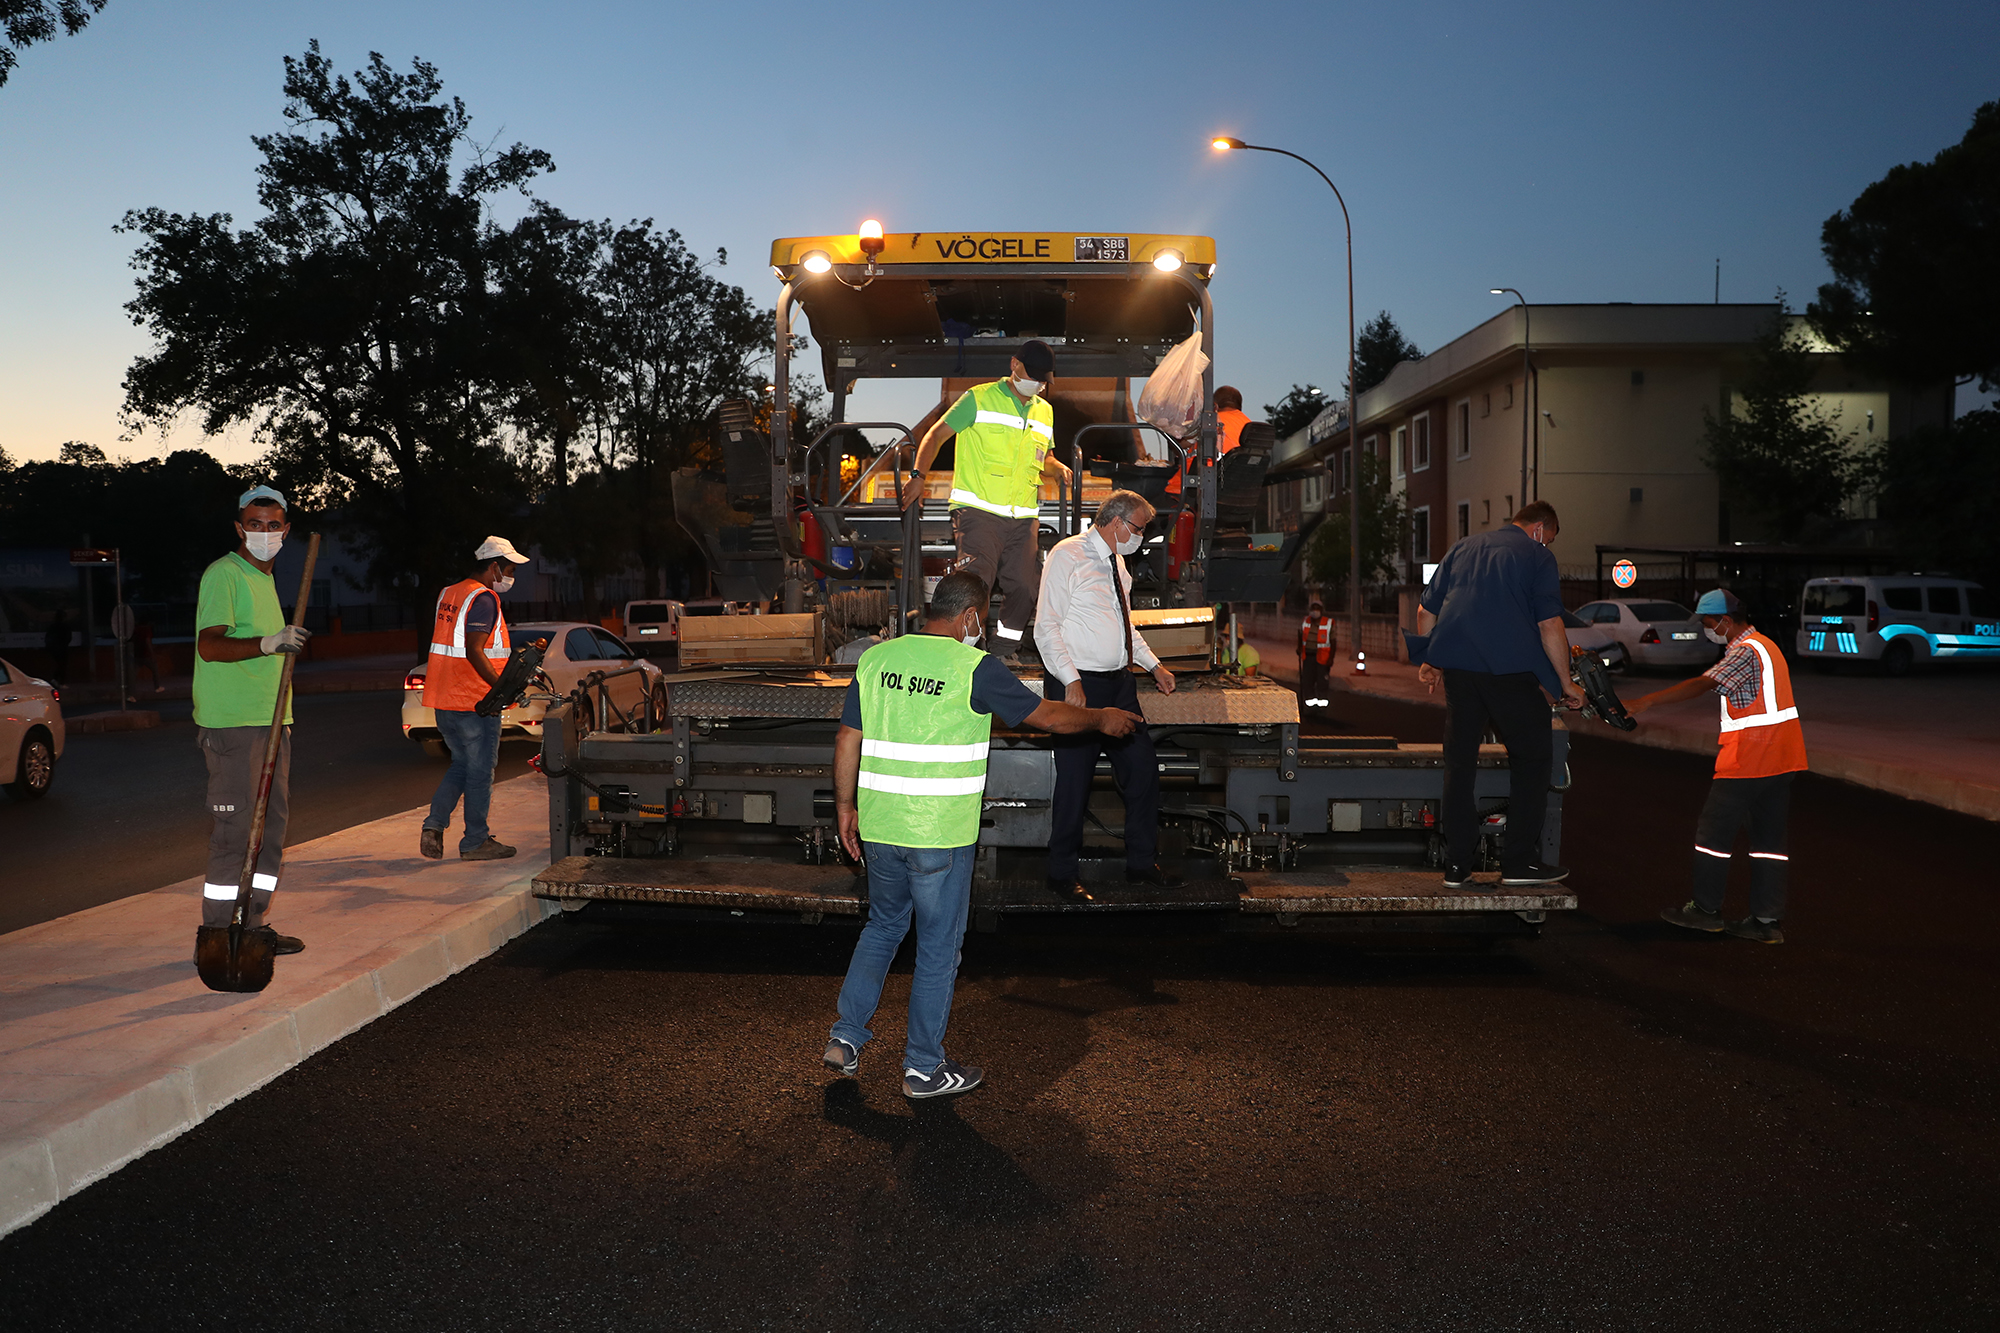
(352, 323)
(1295, 411)
(1379, 349)
(1385, 527)
(1916, 264)
(26, 22)
(1782, 456)
(1935, 486)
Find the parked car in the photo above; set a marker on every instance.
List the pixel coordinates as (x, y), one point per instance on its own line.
(31, 732)
(1897, 620)
(1652, 632)
(575, 650)
(1594, 639)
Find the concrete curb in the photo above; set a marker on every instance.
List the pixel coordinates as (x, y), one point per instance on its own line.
(90, 724)
(84, 1140)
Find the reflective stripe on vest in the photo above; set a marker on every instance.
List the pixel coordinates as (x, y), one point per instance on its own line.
(1764, 739)
(998, 459)
(923, 747)
(450, 681)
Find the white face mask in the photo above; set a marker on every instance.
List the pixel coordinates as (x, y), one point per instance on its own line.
(1129, 545)
(1027, 388)
(972, 637)
(263, 545)
(1714, 635)
(506, 582)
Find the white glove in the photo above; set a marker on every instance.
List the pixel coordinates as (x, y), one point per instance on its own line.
(290, 639)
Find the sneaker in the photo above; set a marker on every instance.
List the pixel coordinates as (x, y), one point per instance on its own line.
(947, 1080)
(1750, 928)
(1457, 877)
(1533, 875)
(431, 844)
(841, 1058)
(1692, 917)
(491, 850)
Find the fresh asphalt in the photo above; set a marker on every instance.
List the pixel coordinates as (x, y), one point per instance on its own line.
(126, 815)
(1616, 1126)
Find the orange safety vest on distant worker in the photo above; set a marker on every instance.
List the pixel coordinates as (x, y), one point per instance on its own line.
(1765, 739)
(1320, 628)
(1229, 425)
(451, 682)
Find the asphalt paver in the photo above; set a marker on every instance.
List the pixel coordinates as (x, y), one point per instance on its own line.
(1616, 1125)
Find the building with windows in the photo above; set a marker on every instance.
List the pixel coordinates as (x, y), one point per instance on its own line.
(1615, 399)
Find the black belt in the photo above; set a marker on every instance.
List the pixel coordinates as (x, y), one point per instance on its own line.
(1112, 674)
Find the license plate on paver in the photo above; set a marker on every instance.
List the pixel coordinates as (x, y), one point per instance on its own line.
(1689, 634)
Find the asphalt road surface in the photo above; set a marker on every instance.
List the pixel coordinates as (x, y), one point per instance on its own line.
(1617, 1126)
(126, 813)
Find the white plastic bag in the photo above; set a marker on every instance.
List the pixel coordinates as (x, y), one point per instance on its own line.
(1172, 398)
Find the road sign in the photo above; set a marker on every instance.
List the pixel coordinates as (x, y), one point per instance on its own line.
(85, 556)
(123, 622)
(1624, 573)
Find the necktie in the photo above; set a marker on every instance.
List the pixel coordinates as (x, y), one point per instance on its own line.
(1124, 612)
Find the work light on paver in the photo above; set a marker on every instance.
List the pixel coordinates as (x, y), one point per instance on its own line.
(815, 261)
(1167, 260)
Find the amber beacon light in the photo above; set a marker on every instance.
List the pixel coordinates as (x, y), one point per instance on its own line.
(871, 238)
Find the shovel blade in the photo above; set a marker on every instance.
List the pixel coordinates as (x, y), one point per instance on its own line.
(232, 958)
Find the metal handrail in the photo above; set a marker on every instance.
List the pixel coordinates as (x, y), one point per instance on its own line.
(1076, 463)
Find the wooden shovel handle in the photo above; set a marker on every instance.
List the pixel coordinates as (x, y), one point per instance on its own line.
(256, 847)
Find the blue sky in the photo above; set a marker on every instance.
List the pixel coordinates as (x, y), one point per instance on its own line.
(1580, 152)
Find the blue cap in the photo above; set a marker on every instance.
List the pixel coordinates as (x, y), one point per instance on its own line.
(257, 493)
(1719, 602)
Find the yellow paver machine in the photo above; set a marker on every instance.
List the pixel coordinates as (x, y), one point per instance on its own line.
(726, 808)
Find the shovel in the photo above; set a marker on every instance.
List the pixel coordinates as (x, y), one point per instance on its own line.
(237, 957)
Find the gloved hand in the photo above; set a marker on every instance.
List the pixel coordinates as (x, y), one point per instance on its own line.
(290, 639)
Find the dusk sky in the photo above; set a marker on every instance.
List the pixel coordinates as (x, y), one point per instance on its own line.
(1579, 152)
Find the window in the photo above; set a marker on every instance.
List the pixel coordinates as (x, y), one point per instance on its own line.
(1464, 518)
(1979, 602)
(1659, 613)
(1315, 490)
(1507, 502)
(1464, 440)
(1896, 599)
(1607, 613)
(1489, 513)
(1945, 602)
(1420, 537)
(578, 646)
(610, 647)
(4, 677)
(1485, 404)
(1420, 442)
(1402, 454)
(1838, 599)
(1509, 401)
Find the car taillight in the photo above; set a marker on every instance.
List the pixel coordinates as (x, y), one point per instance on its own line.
(413, 681)
(1650, 636)
(55, 695)
(1874, 617)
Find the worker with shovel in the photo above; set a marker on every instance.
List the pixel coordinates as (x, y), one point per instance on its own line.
(241, 633)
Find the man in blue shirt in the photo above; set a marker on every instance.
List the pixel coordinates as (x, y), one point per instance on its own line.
(1499, 649)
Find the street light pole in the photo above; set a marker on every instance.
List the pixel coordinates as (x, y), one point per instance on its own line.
(1527, 344)
(1224, 144)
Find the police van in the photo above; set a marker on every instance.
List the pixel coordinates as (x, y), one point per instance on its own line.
(1896, 620)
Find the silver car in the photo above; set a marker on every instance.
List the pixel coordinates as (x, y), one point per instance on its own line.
(575, 650)
(1653, 633)
(31, 732)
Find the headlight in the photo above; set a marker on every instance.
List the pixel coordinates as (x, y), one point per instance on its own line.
(816, 262)
(1167, 260)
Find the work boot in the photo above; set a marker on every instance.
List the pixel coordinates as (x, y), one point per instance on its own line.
(1693, 917)
(431, 844)
(1750, 928)
(288, 944)
(491, 850)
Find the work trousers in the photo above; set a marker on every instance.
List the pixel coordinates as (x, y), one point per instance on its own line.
(1312, 675)
(933, 887)
(1002, 551)
(1765, 804)
(1514, 706)
(474, 742)
(1134, 764)
(235, 759)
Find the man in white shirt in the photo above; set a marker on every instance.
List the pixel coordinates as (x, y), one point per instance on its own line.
(1084, 633)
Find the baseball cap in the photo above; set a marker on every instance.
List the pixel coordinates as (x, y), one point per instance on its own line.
(499, 548)
(1719, 602)
(1037, 359)
(258, 494)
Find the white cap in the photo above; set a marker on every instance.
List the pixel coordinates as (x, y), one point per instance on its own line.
(499, 548)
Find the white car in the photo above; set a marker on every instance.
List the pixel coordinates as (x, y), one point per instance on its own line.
(31, 732)
(1593, 639)
(1652, 632)
(575, 650)
(1897, 620)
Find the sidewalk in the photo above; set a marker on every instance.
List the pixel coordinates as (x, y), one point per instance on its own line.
(1932, 736)
(110, 1045)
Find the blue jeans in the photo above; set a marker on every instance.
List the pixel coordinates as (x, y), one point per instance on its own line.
(475, 748)
(934, 884)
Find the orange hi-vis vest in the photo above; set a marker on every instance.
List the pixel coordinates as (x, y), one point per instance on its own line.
(1229, 433)
(1318, 628)
(451, 682)
(1765, 739)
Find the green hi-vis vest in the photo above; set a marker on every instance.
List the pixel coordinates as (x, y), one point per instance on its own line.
(998, 463)
(923, 748)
